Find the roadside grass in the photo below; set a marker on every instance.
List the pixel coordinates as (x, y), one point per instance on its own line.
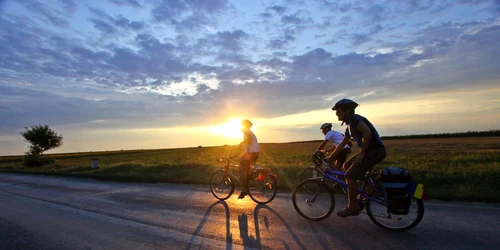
(451, 169)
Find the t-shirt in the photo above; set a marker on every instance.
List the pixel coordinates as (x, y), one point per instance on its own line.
(253, 146)
(352, 131)
(335, 137)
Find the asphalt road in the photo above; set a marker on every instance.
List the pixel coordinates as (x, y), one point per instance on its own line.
(40, 212)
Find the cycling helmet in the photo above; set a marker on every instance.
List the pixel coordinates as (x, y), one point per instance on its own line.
(345, 104)
(326, 125)
(246, 123)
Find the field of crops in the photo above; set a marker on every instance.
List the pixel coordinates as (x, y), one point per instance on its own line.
(450, 168)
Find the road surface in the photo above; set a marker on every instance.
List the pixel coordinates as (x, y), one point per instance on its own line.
(43, 212)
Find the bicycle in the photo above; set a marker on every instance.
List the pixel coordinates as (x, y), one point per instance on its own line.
(262, 182)
(371, 197)
(318, 170)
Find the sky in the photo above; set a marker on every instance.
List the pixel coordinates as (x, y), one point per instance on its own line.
(149, 74)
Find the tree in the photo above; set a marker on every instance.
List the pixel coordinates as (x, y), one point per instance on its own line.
(41, 138)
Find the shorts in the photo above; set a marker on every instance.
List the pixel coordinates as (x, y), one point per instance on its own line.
(372, 157)
(342, 156)
(248, 159)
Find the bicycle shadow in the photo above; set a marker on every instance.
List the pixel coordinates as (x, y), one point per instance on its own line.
(249, 241)
(256, 242)
(229, 237)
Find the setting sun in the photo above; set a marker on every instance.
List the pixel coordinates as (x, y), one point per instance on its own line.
(231, 128)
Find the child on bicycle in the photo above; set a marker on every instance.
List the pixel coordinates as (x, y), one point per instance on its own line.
(372, 150)
(250, 148)
(335, 138)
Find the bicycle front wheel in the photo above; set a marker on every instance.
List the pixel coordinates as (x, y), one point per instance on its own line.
(317, 205)
(377, 211)
(262, 186)
(221, 185)
(311, 172)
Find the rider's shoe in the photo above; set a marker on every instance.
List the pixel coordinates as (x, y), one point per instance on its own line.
(242, 195)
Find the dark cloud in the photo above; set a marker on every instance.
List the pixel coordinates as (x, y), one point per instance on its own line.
(188, 15)
(125, 23)
(266, 15)
(103, 26)
(69, 6)
(46, 14)
(132, 3)
(346, 7)
(226, 45)
(359, 39)
(295, 20)
(230, 40)
(277, 9)
(273, 9)
(376, 14)
(110, 25)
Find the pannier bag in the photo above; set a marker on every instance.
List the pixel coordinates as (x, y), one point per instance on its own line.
(395, 182)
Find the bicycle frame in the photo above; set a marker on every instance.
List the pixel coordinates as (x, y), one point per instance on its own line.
(236, 178)
(330, 174)
(227, 167)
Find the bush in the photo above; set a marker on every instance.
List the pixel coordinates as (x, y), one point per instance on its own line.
(32, 160)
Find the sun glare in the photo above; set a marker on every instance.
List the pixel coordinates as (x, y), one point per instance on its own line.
(231, 129)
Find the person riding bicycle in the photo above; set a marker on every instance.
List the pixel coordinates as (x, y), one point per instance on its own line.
(372, 150)
(250, 148)
(335, 138)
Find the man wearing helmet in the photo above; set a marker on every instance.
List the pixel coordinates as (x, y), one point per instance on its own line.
(250, 148)
(335, 138)
(372, 150)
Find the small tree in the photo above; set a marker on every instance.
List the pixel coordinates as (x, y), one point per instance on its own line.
(41, 138)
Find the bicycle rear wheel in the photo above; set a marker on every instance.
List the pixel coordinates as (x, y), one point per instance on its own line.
(262, 186)
(221, 185)
(394, 222)
(317, 205)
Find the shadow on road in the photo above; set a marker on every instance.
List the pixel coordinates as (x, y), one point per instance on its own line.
(256, 242)
(249, 241)
(229, 238)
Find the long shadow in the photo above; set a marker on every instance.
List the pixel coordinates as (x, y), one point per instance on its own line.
(229, 237)
(248, 241)
(266, 224)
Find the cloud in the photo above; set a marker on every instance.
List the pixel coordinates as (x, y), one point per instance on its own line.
(277, 8)
(69, 6)
(111, 25)
(169, 72)
(45, 13)
(188, 15)
(132, 3)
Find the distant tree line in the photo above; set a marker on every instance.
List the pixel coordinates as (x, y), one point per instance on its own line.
(489, 133)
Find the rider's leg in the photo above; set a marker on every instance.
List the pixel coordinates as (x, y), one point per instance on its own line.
(357, 172)
(245, 161)
(243, 177)
(352, 192)
(338, 165)
(352, 187)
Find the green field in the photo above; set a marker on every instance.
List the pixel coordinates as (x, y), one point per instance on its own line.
(451, 168)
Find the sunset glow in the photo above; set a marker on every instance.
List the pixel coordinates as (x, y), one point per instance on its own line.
(230, 129)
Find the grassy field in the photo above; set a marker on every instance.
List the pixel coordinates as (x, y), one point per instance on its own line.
(451, 168)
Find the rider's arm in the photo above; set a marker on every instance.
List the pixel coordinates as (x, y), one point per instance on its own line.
(331, 149)
(322, 145)
(340, 146)
(366, 134)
